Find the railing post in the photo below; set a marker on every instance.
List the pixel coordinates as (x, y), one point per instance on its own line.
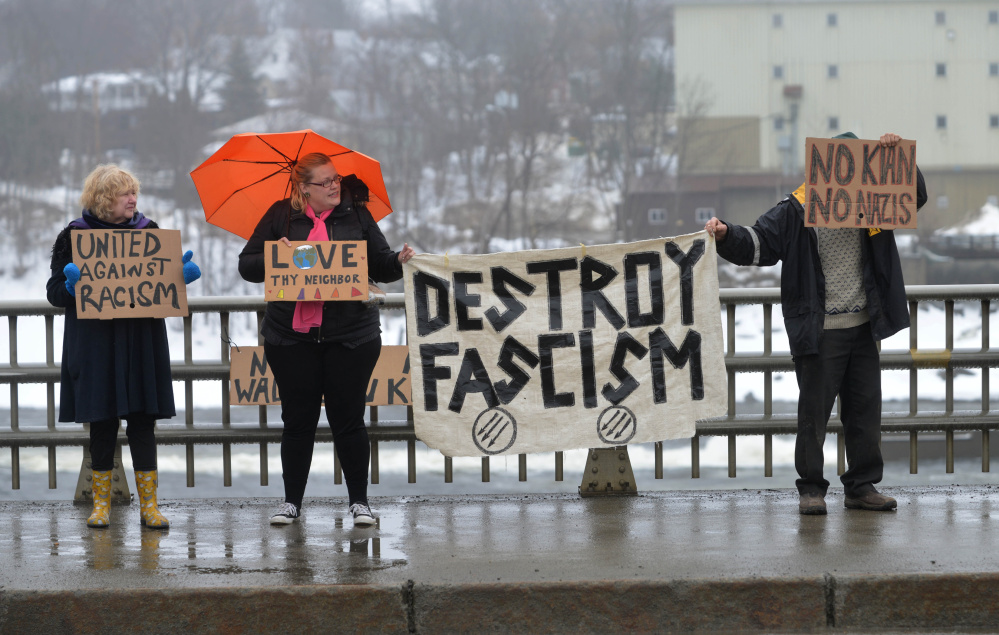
(608, 473)
(120, 493)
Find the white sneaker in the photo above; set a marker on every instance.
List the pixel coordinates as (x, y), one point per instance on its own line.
(286, 515)
(362, 515)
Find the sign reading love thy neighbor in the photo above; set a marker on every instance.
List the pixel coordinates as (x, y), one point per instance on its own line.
(129, 273)
(324, 270)
(859, 183)
(549, 350)
(251, 381)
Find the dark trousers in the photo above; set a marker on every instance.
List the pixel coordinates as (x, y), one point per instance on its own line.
(306, 373)
(847, 365)
(141, 433)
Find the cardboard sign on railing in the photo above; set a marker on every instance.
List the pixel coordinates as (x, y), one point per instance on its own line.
(859, 183)
(311, 271)
(129, 273)
(251, 382)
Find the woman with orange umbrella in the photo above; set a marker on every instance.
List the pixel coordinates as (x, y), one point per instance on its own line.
(322, 350)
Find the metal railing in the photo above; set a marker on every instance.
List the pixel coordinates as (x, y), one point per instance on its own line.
(767, 424)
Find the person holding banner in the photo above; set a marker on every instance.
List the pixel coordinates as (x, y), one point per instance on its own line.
(841, 292)
(322, 350)
(113, 369)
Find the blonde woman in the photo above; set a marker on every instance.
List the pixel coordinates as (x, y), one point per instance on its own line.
(113, 369)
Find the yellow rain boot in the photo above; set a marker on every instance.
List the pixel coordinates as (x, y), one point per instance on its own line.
(145, 482)
(101, 487)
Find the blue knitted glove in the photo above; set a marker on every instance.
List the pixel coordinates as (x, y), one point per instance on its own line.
(191, 271)
(72, 273)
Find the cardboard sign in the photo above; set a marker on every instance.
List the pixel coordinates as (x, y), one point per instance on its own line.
(129, 273)
(251, 382)
(858, 183)
(307, 271)
(583, 347)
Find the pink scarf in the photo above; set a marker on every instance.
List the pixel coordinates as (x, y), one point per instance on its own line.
(310, 314)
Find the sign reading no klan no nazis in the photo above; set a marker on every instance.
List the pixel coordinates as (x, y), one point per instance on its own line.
(307, 271)
(859, 183)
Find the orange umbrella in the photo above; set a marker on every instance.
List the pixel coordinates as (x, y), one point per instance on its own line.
(240, 182)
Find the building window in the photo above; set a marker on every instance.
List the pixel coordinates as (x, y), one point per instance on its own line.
(941, 69)
(703, 214)
(993, 17)
(657, 216)
(834, 123)
(941, 122)
(831, 20)
(941, 18)
(778, 20)
(779, 122)
(832, 71)
(993, 69)
(778, 72)
(993, 121)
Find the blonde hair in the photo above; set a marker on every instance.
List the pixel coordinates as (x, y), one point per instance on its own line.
(302, 173)
(103, 186)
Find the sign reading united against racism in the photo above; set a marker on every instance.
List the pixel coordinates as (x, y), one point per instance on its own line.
(251, 382)
(550, 350)
(324, 270)
(859, 183)
(129, 273)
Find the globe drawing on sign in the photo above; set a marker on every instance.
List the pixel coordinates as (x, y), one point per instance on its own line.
(305, 257)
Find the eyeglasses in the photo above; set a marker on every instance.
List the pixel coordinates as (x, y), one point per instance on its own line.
(328, 182)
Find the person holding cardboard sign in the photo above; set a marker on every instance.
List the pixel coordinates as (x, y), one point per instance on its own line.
(841, 292)
(322, 350)
(118, 368)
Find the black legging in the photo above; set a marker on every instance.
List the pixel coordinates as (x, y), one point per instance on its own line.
(141, 433)
(306, 373)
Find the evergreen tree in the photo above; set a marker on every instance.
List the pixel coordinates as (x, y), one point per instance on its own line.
(241, 96)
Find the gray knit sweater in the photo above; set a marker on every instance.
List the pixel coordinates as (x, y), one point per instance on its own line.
(846, 299)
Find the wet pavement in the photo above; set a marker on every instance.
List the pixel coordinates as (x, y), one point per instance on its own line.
(653, 543)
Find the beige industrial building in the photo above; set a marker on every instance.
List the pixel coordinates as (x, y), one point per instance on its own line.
(754, 79)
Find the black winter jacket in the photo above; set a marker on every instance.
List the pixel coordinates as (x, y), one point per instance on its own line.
(780, 235)
(348, 322)
(110, 368)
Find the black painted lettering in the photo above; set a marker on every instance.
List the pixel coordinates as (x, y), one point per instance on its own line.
(426, 323)
(688, 353)
(632, 294)
(867, 174)
(816, 203)
(503, 281)
(506, 391)
(472, 377)
(593, 298)
(625, 344)
(549, 394)
(844, 158)
(552, 268)
(819, 167)
(463, 300)
(433, 373)
(686, 262)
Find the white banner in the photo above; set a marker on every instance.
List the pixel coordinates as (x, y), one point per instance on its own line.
(548, 350)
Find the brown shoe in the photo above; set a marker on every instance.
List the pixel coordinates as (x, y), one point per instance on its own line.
(871, 501)
(811, 505)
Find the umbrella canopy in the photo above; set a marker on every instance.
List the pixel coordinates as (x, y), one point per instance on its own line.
(240, 182)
